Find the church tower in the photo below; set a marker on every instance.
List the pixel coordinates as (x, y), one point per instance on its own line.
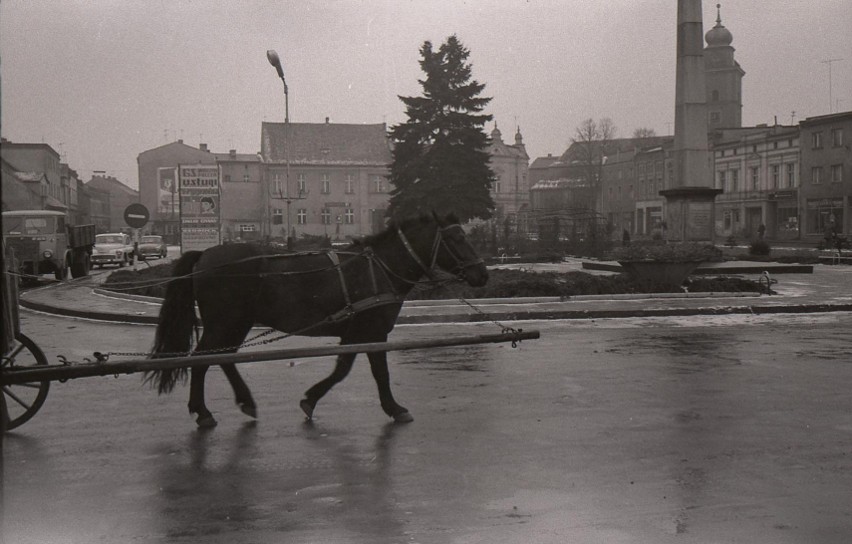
(724, 78)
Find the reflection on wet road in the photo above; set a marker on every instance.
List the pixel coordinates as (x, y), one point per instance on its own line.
(602, 431)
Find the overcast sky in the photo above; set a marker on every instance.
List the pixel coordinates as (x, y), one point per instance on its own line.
(104, 80)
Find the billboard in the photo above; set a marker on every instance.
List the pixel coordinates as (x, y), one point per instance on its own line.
(199, 206)
(168, 200)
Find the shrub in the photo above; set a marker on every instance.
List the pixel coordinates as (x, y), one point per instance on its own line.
(759, 247)
(502, 283)
(675, 253)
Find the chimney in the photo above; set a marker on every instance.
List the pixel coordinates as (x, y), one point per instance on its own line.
(326, 120)
(203, 147)
(233, 153)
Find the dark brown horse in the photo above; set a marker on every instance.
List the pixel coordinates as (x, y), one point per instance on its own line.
(355, 294)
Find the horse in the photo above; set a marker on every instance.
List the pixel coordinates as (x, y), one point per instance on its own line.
(355, 294)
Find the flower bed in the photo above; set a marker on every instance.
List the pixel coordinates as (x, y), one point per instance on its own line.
(502, 283)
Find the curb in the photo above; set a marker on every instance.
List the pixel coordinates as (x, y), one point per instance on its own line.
(521, 315)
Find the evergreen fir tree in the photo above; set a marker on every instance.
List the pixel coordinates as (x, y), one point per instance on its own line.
(440, 160)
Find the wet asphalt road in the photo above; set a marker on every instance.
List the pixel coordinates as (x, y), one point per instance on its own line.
(711, 429)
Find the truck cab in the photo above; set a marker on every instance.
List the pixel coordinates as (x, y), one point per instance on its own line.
(42, 242)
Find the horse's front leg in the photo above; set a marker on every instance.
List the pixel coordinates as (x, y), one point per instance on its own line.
(318, 391)
(379, 367)
(197, 406)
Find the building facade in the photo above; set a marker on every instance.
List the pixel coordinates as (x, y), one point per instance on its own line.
(511, 188)
(758, 170)
(118, 197)
(325, 179)
(42, 161)
(826, 166)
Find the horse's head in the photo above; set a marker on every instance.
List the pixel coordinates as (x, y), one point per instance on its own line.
(450, 251)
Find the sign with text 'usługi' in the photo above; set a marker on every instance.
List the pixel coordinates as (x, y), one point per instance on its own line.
(199, 206)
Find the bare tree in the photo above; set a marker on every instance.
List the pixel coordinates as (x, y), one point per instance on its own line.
(644, 132)
(592, 141)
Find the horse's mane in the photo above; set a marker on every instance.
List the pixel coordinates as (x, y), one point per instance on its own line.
(395, 224)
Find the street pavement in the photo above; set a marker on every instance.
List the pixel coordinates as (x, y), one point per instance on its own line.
(827, 288)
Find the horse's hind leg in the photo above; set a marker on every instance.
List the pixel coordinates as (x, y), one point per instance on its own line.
(315, 393)
(242, 395)
(379, 367)
(221, 340)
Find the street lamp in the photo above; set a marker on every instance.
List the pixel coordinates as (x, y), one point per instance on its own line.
(275, 61)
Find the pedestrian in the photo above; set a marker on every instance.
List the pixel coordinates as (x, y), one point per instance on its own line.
(761, 230)
(625, 238)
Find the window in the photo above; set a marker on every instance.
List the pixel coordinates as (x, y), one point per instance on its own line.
(227, 177)
(816, 175)
(791, 175)
(302, 216)
(720, 184)
(378, 184)
(326, 184)
(350, 184)
(246, 177)
(714, 95)
(816, 140)
(278, 183)
(326, 216)
(497, 187)
(247, 227)
(754, 172)
(350, 216)
(302, 183)
(715, 117)
(836, 173)
(776, 175)
(277, 216)
(735, 180)
(837, 137)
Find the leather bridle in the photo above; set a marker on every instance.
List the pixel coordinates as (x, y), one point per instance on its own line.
(438, 242)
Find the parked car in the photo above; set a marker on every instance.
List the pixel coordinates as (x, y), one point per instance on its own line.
(152, 246)
(113, 248)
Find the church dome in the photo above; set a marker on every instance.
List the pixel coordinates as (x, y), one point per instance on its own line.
(718, 35)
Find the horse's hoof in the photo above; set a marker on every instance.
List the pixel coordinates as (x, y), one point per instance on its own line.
(403, 417)
(206, 422)
(249, 410)
(307, 407)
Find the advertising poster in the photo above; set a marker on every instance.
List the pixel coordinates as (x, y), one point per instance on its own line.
(168, 199)
(199, 206)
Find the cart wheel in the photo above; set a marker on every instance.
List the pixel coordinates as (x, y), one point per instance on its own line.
(21, 402)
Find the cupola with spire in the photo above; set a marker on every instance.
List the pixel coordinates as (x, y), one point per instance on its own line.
(496, 135)
(718, 35)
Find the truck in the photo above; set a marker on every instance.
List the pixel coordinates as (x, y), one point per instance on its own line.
(43, 242)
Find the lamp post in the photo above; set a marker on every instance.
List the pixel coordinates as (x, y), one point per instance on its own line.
(275, 61)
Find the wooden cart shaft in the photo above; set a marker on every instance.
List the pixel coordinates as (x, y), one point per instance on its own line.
(109, 368)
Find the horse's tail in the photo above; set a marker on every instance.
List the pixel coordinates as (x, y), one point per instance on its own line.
(176, 324)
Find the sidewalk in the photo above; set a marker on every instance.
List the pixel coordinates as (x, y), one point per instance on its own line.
(827, 289)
